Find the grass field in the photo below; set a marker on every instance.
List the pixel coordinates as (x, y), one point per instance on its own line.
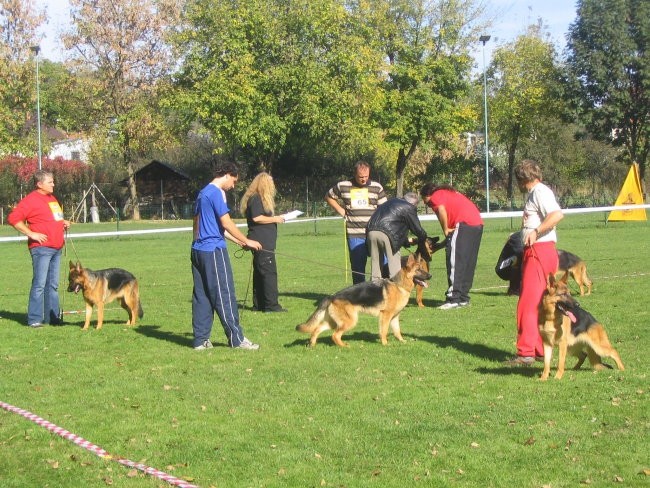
(438, 410)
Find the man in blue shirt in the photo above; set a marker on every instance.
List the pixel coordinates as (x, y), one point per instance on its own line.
(214, 289)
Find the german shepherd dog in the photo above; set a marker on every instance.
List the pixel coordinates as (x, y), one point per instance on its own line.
(383, 298)
(577, 268)
(102, 287)
(508, 265)
(431, 245)
(564, 323)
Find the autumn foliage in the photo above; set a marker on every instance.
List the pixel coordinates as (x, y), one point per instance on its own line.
(71, 178)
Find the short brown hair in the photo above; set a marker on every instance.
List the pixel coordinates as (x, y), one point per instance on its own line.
(528, 170)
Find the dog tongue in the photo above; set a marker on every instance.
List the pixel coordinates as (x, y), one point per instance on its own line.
(572, 317)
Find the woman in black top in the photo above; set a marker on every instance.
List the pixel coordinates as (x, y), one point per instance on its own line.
(258, 205)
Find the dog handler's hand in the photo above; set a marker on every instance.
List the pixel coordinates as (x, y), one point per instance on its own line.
(37, 236)
(254, 245)
(531, 238)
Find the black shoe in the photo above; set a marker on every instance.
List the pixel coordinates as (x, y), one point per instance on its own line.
(278, 309)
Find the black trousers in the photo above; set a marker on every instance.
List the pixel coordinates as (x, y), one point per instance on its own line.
(265, 281)
(462, 254)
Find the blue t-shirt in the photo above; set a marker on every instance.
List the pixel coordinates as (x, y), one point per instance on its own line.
(210, 206)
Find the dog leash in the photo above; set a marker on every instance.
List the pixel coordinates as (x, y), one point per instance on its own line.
(296, 258)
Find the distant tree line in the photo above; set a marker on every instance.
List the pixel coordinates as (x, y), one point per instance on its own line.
(303, 89)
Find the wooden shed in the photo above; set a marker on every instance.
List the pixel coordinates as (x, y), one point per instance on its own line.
(163, 191)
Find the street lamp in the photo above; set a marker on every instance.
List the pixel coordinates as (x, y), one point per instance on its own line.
(36, 50)
(485, 38)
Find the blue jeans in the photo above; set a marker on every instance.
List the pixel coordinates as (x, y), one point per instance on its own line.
(358, 258)
(44, 295)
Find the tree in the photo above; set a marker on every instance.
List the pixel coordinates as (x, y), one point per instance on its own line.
(71, 100)
(425, 46)
(608, 56)
(124, 42)
(266, 75)
(524, 81)
(18, 23)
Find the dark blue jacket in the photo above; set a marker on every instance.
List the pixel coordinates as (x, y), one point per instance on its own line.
(396, 218)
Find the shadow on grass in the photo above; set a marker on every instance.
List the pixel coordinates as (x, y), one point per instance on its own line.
(326, 339)
(490, 293)
(528, 371)
(315, 297)
(13, 316)
(20, 318)
(477, 350)
(155, 332)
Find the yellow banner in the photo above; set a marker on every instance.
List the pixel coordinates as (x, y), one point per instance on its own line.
(630, 194)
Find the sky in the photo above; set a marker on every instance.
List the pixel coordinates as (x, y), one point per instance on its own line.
(509, 19)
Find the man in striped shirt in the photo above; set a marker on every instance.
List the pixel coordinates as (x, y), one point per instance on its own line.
(356, 200)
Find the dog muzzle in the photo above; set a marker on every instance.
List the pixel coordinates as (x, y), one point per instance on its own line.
(567, 312)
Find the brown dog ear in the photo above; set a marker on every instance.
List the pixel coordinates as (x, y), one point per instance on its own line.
(72, 265)
(565, 278)
(550, 281)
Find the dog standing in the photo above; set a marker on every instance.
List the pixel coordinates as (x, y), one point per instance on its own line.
(383, 298)
(508, 265)
(102, 287)
(575, 331)
(577, 268)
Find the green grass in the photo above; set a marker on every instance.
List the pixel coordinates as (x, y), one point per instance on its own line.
(438, 410)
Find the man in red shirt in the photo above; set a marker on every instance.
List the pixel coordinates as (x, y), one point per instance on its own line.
(462, 224)
(40, 217)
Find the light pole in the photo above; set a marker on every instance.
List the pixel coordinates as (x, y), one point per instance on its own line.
(36, 50)
(485, 38)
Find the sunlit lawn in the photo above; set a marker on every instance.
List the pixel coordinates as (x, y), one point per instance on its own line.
(438, 410)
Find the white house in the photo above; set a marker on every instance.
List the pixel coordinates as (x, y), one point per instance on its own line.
(74, 149)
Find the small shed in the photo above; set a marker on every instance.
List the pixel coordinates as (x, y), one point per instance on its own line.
(163, 191)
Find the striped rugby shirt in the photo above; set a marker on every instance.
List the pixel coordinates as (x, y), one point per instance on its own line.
(359, 203)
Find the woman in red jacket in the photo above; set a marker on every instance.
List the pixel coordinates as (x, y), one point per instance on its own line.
(462, 224)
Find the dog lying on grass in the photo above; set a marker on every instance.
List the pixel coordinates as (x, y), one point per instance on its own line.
(383, 298)
(575, 331)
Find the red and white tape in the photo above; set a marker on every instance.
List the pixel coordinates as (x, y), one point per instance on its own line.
(81, 442)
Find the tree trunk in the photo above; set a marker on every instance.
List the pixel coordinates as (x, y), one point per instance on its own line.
(512, 153)
(402, 162)
(133, 192)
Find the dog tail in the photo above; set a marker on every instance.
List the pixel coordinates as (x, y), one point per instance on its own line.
(316, 318)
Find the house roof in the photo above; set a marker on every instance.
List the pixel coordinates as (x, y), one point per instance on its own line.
(157, 170)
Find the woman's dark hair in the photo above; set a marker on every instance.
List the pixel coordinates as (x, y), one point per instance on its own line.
(428, 189)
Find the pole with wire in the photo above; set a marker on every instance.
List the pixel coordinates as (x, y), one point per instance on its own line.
(485, 38)
(36, 50)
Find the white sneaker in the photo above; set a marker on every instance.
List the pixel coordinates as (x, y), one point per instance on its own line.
(448, 306)
(205, 345)
(246, 344)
